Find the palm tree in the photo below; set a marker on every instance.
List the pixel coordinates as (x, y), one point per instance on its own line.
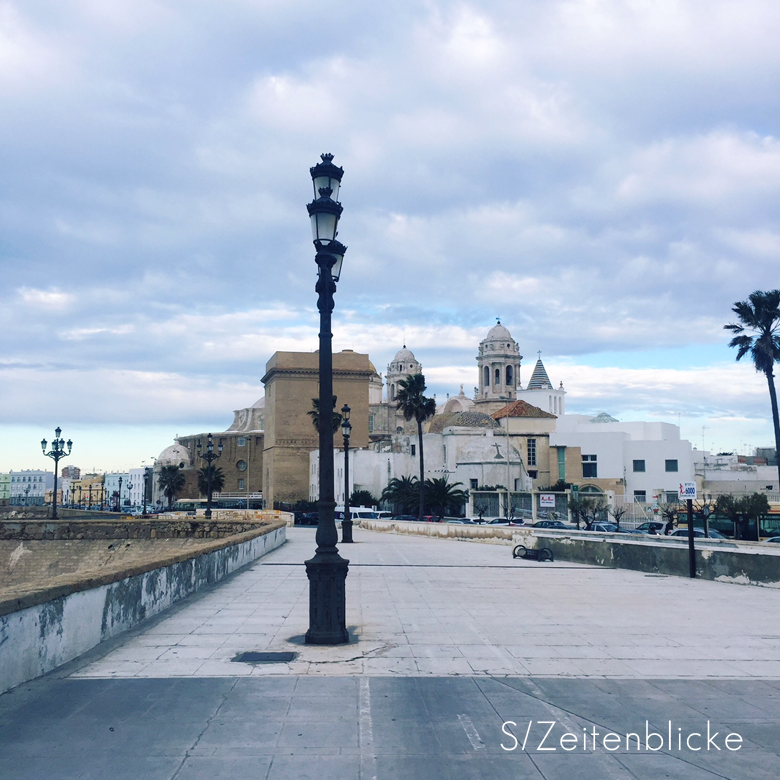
(415, 406)
(761, 315)
(217, 480)
(314, 413)
(401, 493)
(444, 498)
(171, 482)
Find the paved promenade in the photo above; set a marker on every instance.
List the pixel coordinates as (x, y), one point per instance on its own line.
(462, 660)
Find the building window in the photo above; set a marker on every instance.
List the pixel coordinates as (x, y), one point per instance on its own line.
(414, 450)
(532, 452)
(517, 485)
(241, 465)
(371, 423)
(640, 497)
(672, 498)
(498, 377)
(241, 484)
(509, 376)
(474, 483)
(589, 467)
(241, 441)
(639, 465)
(486, 373)
(533, 473)
(671, 465)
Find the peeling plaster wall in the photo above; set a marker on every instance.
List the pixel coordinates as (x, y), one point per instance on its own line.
(36, 640)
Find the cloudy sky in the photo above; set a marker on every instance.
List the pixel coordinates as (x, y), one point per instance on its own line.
(603, 175)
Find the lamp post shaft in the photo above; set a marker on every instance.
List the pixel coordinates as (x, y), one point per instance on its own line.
(327, 570)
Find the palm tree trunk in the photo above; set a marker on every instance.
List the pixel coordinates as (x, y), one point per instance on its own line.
(422, 471)
(770, 378)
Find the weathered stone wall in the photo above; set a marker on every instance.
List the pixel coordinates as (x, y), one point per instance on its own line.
(52, 625)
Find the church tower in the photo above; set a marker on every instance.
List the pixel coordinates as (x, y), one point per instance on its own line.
(403, 364)
(499, 368)
(540, 391)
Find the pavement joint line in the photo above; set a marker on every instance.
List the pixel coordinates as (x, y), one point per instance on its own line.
(368, 762)
(471, 732)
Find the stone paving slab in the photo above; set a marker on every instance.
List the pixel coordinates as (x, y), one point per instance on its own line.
(418, 606)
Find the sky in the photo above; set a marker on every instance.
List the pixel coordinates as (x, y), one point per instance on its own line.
(601, 175)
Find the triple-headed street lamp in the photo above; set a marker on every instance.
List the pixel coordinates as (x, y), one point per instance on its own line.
(210, 456)
(57, 453)
(346, 431)
(327, 570)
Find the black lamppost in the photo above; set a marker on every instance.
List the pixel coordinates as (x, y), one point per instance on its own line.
(119, 496)
(327, 570)
(346, 430)
(129, 487)
(90, 496)
(147, 477)
(210, 456)
(56, 453)
(26, 495)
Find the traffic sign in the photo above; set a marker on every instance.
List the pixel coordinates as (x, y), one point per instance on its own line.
(687, 491)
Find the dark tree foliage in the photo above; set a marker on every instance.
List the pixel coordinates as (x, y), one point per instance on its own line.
(414, 405)
(760, 315)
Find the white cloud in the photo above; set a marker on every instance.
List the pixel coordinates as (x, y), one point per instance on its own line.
(51, 299)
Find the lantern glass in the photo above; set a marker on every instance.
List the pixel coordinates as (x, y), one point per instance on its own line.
(322, 181)
(323, 225)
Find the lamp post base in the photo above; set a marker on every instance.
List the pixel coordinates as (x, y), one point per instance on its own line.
(346, 531)
(327, 575)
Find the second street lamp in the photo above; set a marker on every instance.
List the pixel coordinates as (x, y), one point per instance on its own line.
(210, 456)
(346, 430)
(57, 453)
(327, 570)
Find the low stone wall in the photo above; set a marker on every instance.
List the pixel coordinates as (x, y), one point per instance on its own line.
(50, 626)
(746, 563)
(481, 533)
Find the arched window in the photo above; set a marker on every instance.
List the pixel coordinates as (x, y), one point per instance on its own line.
(487, 377)
(509, 376)
(392, 392)
(498, 377)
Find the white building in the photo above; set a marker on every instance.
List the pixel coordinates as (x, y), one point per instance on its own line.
(650, 457)
(112, 484)
(471, 450)
(728, 473)
(30, 486)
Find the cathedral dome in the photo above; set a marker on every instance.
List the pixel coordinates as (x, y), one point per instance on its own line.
(175, 455)
(472, 420)
(498, 333)
(404, 355)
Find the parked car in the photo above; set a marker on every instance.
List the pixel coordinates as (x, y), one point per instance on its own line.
(653, 527)
(307, 518)
(775, 539)
(549, 524)
(405, 518)
(607, 528)
(698, 533)
(460, 520)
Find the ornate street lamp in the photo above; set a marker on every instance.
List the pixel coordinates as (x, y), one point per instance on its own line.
(346, 430)
(210, 456)
(327, 570)
(119, 496)
(26, 495)
(147, 477)
(57, 453)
